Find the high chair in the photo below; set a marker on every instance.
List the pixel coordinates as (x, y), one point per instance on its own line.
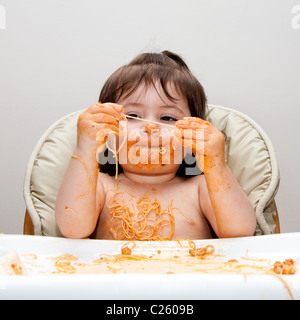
(249, 154)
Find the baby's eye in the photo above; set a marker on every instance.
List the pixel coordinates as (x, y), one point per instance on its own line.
(168, 118)
(134, 115)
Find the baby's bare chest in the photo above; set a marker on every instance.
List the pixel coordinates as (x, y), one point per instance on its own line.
(150, 212)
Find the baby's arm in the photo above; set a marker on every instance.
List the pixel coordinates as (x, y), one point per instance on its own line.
(222, 200)
(81, 196)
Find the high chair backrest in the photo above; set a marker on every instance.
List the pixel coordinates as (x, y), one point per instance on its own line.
(249, 153)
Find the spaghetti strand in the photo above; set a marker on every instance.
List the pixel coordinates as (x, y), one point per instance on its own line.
(149, 223)
(150, 121)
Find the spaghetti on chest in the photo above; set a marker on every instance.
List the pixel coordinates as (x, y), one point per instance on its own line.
(141, 218)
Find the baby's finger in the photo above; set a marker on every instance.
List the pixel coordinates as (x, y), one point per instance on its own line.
(114, 109)
(106, 131)
(93, 109)
(105, 118)
(192, 123)
(107, 108)
(119, 108)
(198, 134)
(197, 120)
(184, 141)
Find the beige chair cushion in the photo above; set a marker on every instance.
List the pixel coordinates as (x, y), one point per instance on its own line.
(251, 157)
(45, 172)
(249, 153)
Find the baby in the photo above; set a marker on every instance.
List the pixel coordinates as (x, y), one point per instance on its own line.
(149, 121)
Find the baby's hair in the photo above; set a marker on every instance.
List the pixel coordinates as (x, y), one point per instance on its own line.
(152, 69)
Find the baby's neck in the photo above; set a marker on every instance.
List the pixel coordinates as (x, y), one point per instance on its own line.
(149, 179)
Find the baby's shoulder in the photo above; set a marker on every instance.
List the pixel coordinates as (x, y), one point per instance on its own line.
(192, 184)
(106, 180)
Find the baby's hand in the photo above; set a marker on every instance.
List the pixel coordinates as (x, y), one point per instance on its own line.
(206, 141)
(96, 123)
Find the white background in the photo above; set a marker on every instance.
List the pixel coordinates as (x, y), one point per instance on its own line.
(55, 56)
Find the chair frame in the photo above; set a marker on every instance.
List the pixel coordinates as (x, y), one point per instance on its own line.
(28, 228)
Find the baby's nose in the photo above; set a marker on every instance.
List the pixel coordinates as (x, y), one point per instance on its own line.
(151, 128)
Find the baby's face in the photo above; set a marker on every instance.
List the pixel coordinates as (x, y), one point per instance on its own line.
(151, 146)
